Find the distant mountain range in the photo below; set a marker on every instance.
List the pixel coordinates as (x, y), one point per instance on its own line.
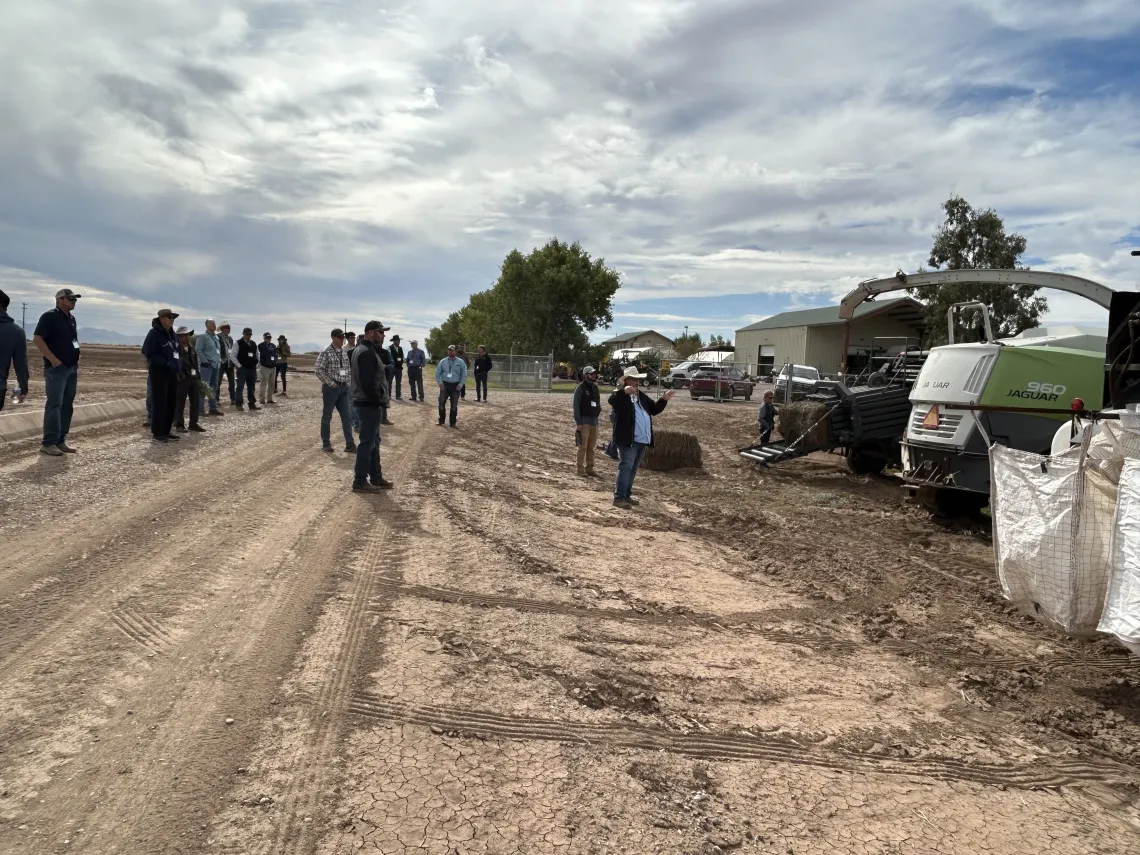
(94, 335)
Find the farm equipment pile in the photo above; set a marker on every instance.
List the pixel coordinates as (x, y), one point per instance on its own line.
(861, 422)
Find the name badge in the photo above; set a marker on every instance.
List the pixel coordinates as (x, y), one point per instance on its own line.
(75, 344)
(193, 373)
(177, 355)
(273, 359)
(450, 376)
(593, 403)
(343, 375)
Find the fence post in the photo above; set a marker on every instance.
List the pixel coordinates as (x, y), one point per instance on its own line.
(511, 370)
(550, 374)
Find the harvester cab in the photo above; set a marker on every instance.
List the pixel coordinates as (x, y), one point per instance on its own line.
(971, 395)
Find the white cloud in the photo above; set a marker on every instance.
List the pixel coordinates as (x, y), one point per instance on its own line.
(383, 159)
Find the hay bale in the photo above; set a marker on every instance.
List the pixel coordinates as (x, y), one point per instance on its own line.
(673, 450)
(806, 419)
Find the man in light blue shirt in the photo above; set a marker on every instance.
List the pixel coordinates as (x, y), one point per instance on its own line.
(450, 375)
(633, 431)
(416, 361)
(209, 348)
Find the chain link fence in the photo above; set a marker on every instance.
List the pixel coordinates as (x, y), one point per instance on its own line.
(519, 372)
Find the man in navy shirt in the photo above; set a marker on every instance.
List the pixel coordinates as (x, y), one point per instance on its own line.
(57, 340)
(13, 353)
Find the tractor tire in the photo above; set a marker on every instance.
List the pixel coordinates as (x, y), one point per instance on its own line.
(955, 503)
(865, 462)
(748, 396)
(877, 380)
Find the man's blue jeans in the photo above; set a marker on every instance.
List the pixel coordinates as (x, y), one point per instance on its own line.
(336, 398)
(59, 383)
(210, 378)
(368, 449)
(247, 382)
(629, 458)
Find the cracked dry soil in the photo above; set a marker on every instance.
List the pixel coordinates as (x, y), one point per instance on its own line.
(217, 648)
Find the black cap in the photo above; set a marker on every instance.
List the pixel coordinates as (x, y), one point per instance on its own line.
(337, 333)
(247, 331)
(167, 313)
(4, 300)
(350, 335)
(375, 325)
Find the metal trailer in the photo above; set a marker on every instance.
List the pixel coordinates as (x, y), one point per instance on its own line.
(864, 424)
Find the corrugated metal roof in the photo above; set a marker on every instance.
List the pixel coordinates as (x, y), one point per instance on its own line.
(828, 315)
(618, 339)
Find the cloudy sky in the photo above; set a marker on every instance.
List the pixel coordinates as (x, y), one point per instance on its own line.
(292, 164)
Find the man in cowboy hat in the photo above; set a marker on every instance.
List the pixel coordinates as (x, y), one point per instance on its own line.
(397, 353)
(633, 431)
(164, 360)
(189, 373)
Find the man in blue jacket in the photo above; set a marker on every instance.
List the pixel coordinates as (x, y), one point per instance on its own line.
(164, 364)
(13, 352)
(633, 431)
(450, 376)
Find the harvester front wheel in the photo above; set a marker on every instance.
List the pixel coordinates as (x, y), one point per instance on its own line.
(865, 462)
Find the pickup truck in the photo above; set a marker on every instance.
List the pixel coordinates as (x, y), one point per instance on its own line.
(805, 381)
(733, 383)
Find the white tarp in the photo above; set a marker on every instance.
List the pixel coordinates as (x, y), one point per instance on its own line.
(1122, 606)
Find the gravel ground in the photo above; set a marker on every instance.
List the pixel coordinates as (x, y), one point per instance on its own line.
(214, 646)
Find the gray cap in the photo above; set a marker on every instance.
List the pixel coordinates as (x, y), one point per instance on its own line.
(589, 369)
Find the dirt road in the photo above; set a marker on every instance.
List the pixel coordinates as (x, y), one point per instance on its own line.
(215, 647)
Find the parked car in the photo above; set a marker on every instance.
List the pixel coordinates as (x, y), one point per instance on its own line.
(733, 383)
(805, 380)
(680, 375)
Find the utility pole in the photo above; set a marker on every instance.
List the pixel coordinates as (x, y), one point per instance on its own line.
(24, 319)
(686, 330)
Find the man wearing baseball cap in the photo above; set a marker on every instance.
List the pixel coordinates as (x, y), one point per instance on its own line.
(587, 406)
(416, 361)
(164, 364)
(245, 352)
(370, 395)
(57, 339)
(333, 370)
(633, 431)
(208, 350)
(450, 375)
(267, 372)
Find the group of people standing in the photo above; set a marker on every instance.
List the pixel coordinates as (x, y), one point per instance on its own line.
(185, 371)
(631, 414)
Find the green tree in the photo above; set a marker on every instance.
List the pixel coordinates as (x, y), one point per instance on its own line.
(547, 301)
(687, 345)
(967, 240)
(719, 341)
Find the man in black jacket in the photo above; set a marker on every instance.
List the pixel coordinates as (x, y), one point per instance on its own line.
(163, 367)
(482, 368)
(369, 396)
(189, 373)
(386, 358)
(397, 352)
(13, 352)
(587, 407)
(245, 349)
(633, 431)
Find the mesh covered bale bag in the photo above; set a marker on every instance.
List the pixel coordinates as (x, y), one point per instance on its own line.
(673, 450)
(807, 419)
(1052, 530)
(1121, 616)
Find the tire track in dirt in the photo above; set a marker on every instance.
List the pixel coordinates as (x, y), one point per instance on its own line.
(310, 770)
(480, 724)
(87, 575)
(176, 698)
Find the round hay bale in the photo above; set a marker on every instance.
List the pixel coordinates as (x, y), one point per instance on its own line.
(673, 450)
(806, 419)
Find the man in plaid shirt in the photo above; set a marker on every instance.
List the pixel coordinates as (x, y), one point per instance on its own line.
(333, 370)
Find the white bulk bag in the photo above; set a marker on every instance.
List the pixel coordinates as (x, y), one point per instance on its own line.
(1052, 524)
(1122, 605)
